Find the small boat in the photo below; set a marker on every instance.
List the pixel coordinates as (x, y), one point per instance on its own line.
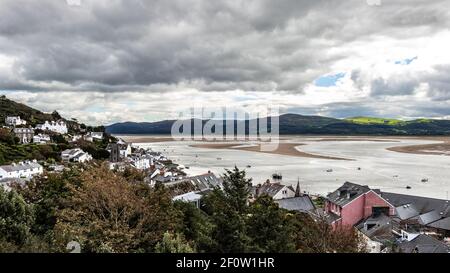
(219, 158)
(359, 168)
(408, 187)
(277, 176)
(248, 166)
(329, 170)
(187, 167)
(425, 180)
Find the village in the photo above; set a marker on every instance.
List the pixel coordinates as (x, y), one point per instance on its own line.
(388, 222)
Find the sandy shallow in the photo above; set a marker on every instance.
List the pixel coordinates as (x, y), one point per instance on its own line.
(442, 148)
(290, 149)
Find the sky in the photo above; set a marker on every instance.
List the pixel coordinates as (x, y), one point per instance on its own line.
(107, 61)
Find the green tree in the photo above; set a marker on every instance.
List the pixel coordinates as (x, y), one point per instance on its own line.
(269, 227)
(228, 210)
(197, 227)
(16, 218)
(173, 244)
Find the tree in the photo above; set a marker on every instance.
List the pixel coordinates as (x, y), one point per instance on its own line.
(107, 213)
(16, 218)
(197, 227)
(173, 244)
(49, 195)
(269, 227)
(317, 236)
(237, 189)
(228, 210)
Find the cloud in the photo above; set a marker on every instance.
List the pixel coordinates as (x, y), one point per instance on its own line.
(125, 51)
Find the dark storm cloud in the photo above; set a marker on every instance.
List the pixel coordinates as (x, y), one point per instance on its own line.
(209, 45)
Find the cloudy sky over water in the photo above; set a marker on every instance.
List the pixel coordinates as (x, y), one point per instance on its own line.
(105, 61)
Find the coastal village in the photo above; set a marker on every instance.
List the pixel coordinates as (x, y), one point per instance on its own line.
(388, 222)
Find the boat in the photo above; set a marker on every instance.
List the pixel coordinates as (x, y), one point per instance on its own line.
(248, 166)
(424, 180)
(277, 176)
(329, 170)
(219, 158)
(408, 187)
(359, 168)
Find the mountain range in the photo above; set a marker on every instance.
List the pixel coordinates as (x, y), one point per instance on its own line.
(300, 124)
(288, 123)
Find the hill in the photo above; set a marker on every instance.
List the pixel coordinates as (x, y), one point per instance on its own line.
(32, 116)
(300, 124)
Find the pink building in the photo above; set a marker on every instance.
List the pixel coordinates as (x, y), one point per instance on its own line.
(352, 203)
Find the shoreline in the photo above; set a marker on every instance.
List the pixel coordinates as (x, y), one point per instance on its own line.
(288, 149)
(441, 148)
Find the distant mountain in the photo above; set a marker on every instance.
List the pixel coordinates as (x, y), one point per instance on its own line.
(299, 124)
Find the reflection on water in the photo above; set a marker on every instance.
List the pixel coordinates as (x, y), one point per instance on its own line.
(373, 165)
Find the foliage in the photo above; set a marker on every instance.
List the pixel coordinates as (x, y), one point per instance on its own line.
(16, 218)
(270, 228)
(173, 244)
(107, 210)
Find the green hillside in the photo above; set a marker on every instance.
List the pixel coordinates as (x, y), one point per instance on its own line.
(32, 116)
(375, 121)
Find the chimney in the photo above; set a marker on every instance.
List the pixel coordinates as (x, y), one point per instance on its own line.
(257, 190)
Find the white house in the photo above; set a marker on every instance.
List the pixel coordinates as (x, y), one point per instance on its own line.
(141, 162)
(275, 190)
(24, 134)
(190, 197)
(15, 121)
(124, 149)
(75, 155)
(25, 169)
(59, 127)
(91, 136)
(41, 139)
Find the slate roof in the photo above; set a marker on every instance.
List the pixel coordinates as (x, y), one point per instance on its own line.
(424, 244)
(188, 197)
(378, 228)
(201, 182)
(441, 224)
(302, 204)
(20, 167)
(421, 204)
(347, 193)
(429, 217)
(331, 217)
(407, 211)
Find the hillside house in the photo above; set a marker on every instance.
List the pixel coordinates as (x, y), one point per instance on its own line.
(59, 127)
(275, 190)
(41, 139)
(25, 135)
(75, 155)
(15, 121)
(352, 203)
(25, 169)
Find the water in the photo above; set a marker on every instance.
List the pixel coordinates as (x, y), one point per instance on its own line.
(380, 168)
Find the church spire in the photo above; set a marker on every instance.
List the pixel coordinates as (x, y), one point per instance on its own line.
(297, 189)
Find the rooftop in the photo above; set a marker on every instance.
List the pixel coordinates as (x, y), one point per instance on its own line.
(347, 193)
(302, 203)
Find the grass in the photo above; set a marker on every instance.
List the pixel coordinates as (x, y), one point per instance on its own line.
(375, 121)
